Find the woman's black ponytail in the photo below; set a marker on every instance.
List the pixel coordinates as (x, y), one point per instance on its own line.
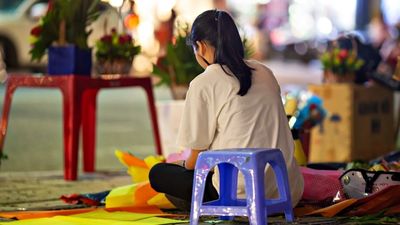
(219, 29)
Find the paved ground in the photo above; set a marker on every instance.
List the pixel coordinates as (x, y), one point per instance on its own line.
(41, 191)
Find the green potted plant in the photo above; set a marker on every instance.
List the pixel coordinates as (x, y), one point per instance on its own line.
(115, 52)
(340, 65)
(176, 70)
(63, 33)
(179, 66)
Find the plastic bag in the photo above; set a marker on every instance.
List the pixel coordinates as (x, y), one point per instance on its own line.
(359, 183)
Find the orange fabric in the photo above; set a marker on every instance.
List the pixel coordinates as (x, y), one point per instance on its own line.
(304, 210)
(21, 215)
(130, 160)
(333, 210)
(143, 193)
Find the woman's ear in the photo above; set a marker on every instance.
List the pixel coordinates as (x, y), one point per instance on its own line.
(200, 49)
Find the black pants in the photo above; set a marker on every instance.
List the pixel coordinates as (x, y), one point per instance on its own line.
(176, 181)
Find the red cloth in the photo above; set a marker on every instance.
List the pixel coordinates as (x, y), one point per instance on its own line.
(387, 199)
(79, 199)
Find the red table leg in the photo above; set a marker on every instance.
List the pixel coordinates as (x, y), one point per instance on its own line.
(152, 107)
(72, 88)
(72, 121)
(10, 88)
(89, 129)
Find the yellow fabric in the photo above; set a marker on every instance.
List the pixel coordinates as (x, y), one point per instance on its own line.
(140, 193)
(130, 195)
(153, 160)
(117, 215)
(138, 174)
(41, 221)
(299, 153)
(161, 201)
(290, 106)
(159, 220)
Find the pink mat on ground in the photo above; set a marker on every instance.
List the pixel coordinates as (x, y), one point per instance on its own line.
(320, 184)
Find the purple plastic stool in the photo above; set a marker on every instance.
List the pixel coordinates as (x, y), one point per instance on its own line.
(251, 162)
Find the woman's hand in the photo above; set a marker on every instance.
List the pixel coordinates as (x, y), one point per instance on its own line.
(190, 162)
(179, 163)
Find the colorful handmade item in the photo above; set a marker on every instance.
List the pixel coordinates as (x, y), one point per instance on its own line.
(139, 194)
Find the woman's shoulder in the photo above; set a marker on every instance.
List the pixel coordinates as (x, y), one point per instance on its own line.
(257, 66)
(262, 74)
(215, 81)
(201, 79)
(211, 75)
(261, 71)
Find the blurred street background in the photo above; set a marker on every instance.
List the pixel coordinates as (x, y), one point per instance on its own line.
(34, 138)
(298, 39)
(287, 35)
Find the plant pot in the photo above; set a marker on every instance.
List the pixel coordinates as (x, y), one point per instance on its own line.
(179, 91)
(69, 60)
(331, 77)
(117, 66)
(169, 114)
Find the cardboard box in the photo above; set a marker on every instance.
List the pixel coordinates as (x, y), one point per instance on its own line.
(359, 124)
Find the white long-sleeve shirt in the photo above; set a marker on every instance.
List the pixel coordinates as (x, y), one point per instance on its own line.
(216, 117)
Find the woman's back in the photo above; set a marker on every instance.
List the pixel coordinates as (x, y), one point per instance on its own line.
(254, 120)
(229, 120)
(233, 104)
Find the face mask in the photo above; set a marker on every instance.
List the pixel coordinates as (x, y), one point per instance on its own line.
(205, 60)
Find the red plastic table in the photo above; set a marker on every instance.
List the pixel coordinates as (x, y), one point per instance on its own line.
(79, 106)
